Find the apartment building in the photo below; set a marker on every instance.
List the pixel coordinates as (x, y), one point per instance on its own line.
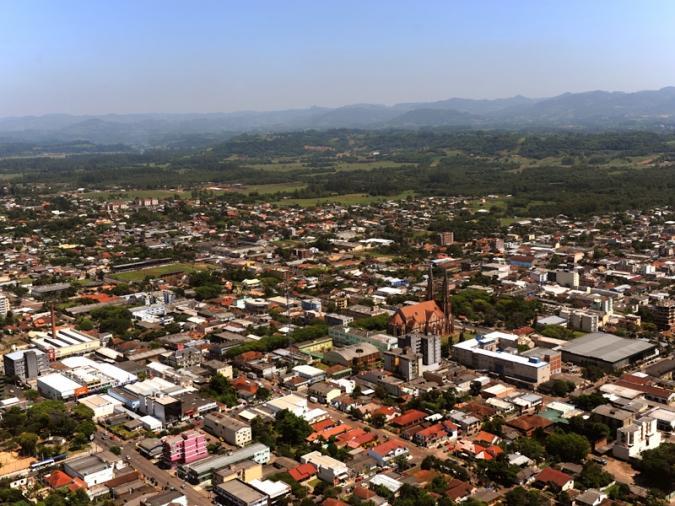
(184, 448)
(230, 429)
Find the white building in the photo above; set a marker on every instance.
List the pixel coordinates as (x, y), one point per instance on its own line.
(101, 405)
(632, 440)
(57, 386)
(567, 278)
(4, 305)
(328, 469)
(67, 342)
(230, 429)
(92, 469)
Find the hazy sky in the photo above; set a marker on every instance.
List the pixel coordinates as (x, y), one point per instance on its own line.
(99, 56)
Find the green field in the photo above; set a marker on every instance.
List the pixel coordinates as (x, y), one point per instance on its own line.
(265, 189)
(383, 164)
(348, 199)
(136, 194)
(156, 272)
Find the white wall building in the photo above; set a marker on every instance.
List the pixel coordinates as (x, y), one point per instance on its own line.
(631, 441)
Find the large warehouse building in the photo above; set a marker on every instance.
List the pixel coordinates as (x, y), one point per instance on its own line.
(607, 350)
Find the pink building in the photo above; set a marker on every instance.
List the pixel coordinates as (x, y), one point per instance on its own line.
(184, 448)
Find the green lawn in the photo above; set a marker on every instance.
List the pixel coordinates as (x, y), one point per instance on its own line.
(156, 272)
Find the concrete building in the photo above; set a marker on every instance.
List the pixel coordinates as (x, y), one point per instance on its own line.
(567, 278)
(238, 493)
(446, 238)
(607, 351)
(203, 470)
(664, 314)
(56, 386)
(489, 352)
(184, 448)
(357, 356)
(230, 429)
(101, 405)
(25, 365)
(428, 346)
(65, 343)
(404, 363)
(184, 357)
(92, 469)
(345, 336)
(585, 321)
(632, 440)
(168, 498)
(4, 305)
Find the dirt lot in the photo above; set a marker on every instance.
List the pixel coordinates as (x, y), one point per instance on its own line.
(622, 471)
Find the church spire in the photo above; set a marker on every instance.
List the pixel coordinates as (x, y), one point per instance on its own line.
(430, 283)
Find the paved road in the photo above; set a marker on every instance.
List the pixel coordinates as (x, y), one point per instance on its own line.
(148, 469)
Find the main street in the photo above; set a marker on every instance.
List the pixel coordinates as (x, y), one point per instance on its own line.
(161, 477)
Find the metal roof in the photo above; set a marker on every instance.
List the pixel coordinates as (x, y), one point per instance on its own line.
(606, 347)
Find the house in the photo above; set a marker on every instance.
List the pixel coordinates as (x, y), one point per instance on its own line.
(410, 417)
(631, 441)
(385, 452)
(552, 478)
(328, 469)
(303, 472)
(434, 434)
(527, 424)
(591, 497)
(324, 392)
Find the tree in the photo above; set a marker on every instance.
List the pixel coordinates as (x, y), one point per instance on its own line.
(518, 496)
(529, 447)
(263, 394)
(568, 447)
(293, 429)
(28, 443)
(116, 450)
(220, 389)
(557, 387)
(378, 420)
(499, 470)
(593, 373)
(594, 431)
(494, 425)
(588, 402)
(594, 476)
(657, 467)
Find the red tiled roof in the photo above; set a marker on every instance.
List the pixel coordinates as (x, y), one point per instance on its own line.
(386, 447)
(302, 472)
(323, 424)
(409, 417)
(58, 479)
(550, 475)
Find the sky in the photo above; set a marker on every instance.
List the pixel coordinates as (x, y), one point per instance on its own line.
(126, 56)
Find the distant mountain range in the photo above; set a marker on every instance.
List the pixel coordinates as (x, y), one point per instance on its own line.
(654, 110)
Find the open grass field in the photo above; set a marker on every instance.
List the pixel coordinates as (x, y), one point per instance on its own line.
(382, 164)
(136, 194)
(156, 272)
(487, 203)
(266, 189)
(349, 199)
